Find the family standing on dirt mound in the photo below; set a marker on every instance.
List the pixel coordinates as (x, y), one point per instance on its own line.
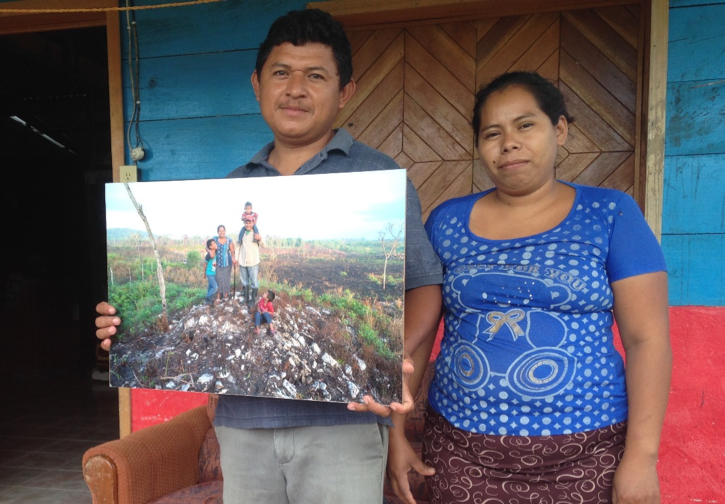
(222, 254)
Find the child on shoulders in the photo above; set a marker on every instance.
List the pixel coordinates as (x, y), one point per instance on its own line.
(247, 215)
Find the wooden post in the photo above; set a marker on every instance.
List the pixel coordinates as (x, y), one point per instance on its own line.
(656, 114)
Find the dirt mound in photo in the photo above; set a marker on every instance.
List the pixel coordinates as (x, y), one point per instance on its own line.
(311, 355)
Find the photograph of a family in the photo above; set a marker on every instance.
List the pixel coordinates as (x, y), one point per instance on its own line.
(226, 294)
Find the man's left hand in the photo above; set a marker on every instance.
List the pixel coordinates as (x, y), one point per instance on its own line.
(373, 406)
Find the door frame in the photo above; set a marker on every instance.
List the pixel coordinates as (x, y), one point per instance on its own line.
(649, 179)
(12, 23)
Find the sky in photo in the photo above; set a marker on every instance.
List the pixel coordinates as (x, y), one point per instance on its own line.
(311, 207)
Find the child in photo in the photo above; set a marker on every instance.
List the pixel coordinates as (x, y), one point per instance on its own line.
(211, 248)
(265, 310)
(248, 214)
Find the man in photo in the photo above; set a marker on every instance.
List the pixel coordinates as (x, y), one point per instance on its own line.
(248, 258)
(282, 451)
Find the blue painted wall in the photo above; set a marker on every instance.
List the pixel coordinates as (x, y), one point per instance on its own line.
(693, 224)
(199, 117)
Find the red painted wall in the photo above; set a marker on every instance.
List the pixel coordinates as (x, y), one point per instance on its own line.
(692, 453)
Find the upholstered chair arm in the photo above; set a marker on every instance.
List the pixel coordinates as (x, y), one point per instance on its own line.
(148, 463)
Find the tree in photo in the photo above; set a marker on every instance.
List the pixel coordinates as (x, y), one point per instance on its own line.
(159, 267)
(389, 238)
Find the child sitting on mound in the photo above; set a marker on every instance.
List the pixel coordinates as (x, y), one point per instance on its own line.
(265, 309)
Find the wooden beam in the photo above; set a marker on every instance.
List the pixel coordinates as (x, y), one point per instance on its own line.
(115, 95)
(656, 115)
(33, 23)
(355, 13)
(115, 91)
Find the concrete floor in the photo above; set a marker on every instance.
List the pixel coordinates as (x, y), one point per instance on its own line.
(45, 427)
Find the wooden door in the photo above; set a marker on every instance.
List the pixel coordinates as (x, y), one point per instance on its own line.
(416, 86)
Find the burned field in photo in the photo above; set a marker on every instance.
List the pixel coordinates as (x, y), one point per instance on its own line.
(336, 340)
(338, 309)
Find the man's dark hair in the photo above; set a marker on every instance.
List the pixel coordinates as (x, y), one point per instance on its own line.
(271, 295)
(209, 242)
(309, 25)
(547, 96)
(247, 204)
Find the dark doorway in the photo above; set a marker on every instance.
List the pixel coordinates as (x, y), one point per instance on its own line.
(55, 157)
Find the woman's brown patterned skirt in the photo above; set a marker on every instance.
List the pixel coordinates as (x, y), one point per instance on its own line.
(485, 469)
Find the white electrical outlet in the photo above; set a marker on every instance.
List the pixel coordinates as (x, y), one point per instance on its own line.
(128, 174)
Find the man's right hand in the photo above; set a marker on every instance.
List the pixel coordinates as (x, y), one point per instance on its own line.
(106, 324)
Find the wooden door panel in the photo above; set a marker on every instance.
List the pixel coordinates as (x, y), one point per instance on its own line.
(590, 123)
(591, 59)
(441, 110)
(370, 50)
(416, 88)
(597, 97)
(516, 46)
(606, 39)
(385, 62)
(540, 51)
(384, 123)
(431, 132)
(419, 58)
(360, 118)
(623, 21)
(465, 36)
(416, 147)
(446, 52)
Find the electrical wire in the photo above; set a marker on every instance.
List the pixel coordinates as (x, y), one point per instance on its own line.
(134, 77)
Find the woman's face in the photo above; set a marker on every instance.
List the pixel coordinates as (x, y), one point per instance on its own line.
(222, 231)
(517, 143)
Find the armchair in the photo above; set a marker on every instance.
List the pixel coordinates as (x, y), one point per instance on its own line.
(177, 461)
(169, 463)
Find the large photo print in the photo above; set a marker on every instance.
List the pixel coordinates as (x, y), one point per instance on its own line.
(287, 287)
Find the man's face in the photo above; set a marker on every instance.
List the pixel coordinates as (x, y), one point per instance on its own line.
(248, 225)
(299, 93)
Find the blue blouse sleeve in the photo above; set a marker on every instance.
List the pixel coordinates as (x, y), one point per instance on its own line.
(633, 248)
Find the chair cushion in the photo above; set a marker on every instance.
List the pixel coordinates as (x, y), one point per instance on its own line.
(203, 493)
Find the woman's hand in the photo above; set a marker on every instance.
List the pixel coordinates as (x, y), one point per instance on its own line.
(636, 482)
(401, 460)
(106, 324)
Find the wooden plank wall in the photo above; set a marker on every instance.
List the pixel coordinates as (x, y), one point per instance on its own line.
(199, 117)
(693, 221)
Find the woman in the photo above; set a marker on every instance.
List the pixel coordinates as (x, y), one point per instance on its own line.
(529, 402)
(224, 261)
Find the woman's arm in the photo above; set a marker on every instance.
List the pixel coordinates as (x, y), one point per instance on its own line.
(401, 456)
(641, 312)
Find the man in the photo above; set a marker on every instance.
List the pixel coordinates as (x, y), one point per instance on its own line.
(280, 451)
(248, 260)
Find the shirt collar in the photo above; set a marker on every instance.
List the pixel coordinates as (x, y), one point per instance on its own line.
(342, 141)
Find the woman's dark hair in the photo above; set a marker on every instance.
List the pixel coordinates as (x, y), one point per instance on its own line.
(309, 25)
(547, 96)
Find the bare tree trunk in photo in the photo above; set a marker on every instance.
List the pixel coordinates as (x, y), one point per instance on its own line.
(395, 234)
(159, 267)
